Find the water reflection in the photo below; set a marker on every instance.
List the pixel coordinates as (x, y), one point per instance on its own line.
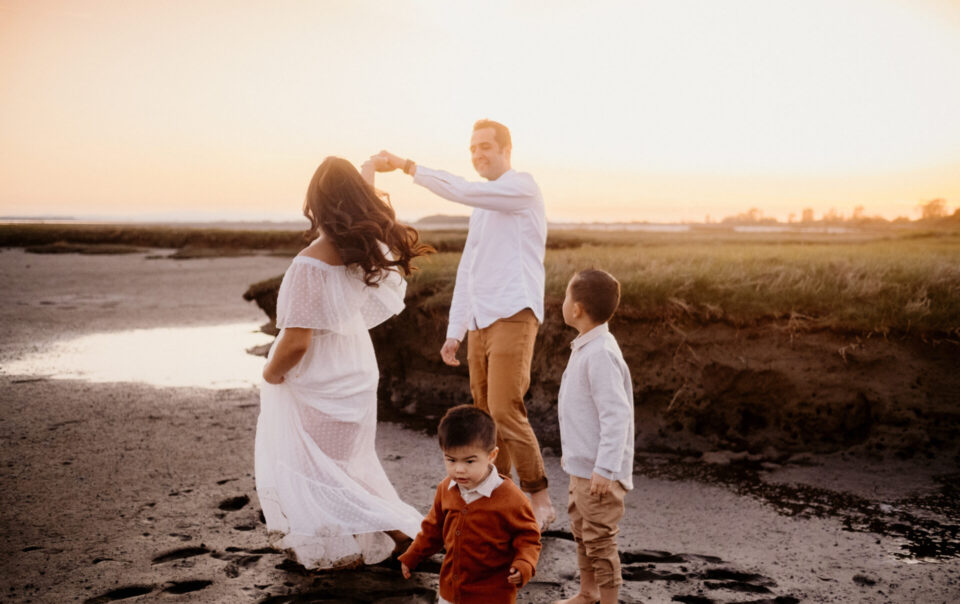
(203, 357)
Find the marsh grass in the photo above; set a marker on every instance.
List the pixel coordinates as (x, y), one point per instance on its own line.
(881, 285)
(192, 239)
(171, 237)
(887, 281)
(62, 247)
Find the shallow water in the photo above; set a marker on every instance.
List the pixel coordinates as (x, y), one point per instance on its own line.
(212, 356)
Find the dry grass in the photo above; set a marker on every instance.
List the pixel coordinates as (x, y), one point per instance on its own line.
(880, 285)
(886, 281)
(171, 237)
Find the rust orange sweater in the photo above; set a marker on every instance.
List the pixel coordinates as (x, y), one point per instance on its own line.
(482, 540)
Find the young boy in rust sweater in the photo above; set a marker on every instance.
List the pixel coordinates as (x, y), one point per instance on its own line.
(482, 519)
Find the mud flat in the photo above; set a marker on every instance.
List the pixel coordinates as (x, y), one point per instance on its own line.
(128, 492)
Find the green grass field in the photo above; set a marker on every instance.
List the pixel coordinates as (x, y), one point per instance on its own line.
(889, 281)
(906, 283)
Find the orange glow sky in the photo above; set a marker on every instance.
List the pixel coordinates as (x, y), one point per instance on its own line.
(659, 111)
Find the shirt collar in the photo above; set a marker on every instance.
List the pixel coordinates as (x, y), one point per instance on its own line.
(485, 488)
(581, 340)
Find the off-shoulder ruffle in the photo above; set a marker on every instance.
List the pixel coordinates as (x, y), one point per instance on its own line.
(317, 295)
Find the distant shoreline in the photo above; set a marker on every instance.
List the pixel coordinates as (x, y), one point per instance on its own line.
(456, 223)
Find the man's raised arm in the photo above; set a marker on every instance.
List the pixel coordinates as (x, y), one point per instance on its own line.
(506, 194)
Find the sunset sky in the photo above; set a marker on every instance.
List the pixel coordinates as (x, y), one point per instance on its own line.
(645, 110)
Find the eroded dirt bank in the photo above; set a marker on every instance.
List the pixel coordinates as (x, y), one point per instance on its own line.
(763, 389)
(770, 388)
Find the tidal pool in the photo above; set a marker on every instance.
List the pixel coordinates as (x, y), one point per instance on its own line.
(213, 356)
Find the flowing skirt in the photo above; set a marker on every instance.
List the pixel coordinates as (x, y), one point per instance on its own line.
(323, 492)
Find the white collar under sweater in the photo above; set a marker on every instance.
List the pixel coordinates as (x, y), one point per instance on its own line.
(484, 489)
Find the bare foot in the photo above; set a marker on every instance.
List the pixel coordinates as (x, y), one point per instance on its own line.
(580, 599)
(348, 563)
(401, 541)
(543, 509)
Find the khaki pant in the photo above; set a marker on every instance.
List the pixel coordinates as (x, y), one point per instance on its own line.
(499, 359)
(595, 522)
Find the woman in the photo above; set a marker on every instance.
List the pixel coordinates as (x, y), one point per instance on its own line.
(324, 494)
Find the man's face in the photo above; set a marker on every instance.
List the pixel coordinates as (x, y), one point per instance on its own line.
(489, 160)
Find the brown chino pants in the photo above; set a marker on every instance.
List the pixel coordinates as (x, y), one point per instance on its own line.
(499, 357)
(595, 522)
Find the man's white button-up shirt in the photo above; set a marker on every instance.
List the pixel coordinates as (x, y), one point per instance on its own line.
(501, 270)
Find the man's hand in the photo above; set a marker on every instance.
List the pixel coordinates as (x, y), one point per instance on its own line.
(405, 570)
(515, 577)
(387, 162)
(449, 352)
(599, 485)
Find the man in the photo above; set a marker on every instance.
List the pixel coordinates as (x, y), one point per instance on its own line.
(498, 294)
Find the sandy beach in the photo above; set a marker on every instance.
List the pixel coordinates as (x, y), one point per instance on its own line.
(124, 491)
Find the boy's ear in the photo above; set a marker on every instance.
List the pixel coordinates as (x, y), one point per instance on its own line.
(493, 454)
(578, 310)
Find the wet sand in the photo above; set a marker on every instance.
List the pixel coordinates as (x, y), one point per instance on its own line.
(128, 492)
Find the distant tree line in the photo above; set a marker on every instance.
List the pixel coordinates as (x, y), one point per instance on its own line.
(934, 210)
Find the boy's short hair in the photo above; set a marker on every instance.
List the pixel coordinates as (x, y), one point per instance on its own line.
(501, 133)
(466, 425)
(598, 292)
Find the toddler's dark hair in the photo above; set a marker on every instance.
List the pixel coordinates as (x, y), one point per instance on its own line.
(597, 291)
(466, 425)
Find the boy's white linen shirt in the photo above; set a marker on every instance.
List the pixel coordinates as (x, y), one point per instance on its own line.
(595, 409)
(501, 270)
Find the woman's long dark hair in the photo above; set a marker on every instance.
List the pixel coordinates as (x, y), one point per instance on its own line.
(348, 210)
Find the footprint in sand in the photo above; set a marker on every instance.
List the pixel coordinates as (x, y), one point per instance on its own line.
(693, 575)
(180, 554)
(234, 503)
(121, 593)
(185, 587)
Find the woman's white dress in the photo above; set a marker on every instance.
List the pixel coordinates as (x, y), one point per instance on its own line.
(324, 494)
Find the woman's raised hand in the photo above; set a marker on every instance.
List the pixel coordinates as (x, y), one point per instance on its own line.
(387, 162)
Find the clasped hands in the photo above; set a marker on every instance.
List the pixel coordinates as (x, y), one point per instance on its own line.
(386, 162)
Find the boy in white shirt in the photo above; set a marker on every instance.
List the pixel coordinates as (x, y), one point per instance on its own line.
(595, 409)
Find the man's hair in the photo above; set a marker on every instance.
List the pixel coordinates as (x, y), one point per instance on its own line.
(501, 133)
(466, 425)
(597, 291)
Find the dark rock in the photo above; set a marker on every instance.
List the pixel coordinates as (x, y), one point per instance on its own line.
(234, 503)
